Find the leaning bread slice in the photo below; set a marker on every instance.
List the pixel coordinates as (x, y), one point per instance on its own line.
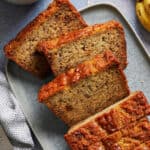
(89, 88)
(58, 19)
(68, 51)
(129, 137)
(92, 130)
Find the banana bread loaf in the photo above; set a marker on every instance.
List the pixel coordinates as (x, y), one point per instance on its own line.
(144, 146)
(91, 131)
(58, 19)
(66, 52)
(129, 137)
(89, 88)
(135, 136)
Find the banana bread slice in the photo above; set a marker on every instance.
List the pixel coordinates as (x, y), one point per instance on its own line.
(144, 146)
(129, 137)
(91, 131)
(58, 19)
(66, 52)
(135, 136)
(89, 88)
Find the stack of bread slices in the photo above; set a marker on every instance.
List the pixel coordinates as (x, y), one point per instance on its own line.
(90, 92)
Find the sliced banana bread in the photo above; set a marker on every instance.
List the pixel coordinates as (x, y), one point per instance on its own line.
(91, 131)
(144, 146)
(73, 48)
(89, 88)
(129, 137)
(58, 19)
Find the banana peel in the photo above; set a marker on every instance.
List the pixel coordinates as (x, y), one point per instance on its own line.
(143, 16)
(147, 6)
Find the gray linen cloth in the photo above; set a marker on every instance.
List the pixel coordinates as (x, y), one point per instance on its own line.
(12, 118)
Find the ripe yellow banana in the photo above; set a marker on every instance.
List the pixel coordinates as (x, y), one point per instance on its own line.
(147, 6)
(143, 15)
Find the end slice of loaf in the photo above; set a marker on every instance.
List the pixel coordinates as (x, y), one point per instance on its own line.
(92, 130)
(89, 88)
(144, 146)
(129, 137)
(75, 47)
(58, 19)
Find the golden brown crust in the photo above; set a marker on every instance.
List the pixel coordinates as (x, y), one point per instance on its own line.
(109, 121)
(84, 138)
(14, 43)
(47, 45)
(52, 8)
(29, 27)
(87, 68)
(129, 137)
(137, 106)
(144, 146)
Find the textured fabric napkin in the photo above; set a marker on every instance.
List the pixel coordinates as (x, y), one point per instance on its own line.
(12, 118)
